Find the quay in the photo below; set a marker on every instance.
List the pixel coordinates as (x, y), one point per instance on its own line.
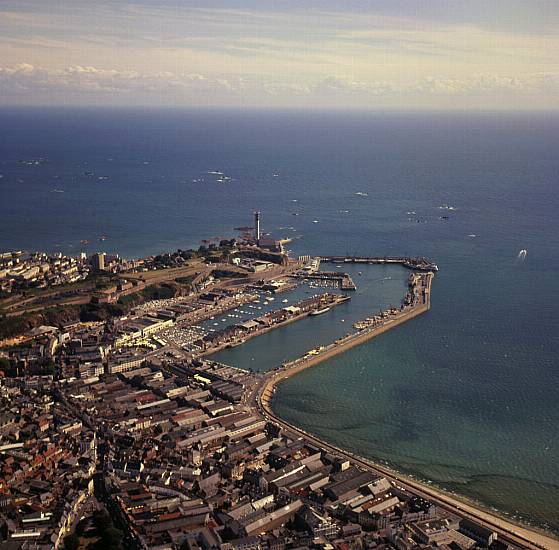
(420, 288)
(416, 263)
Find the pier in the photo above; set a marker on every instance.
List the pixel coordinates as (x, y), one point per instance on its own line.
(416, 263)
(239, 334)
(416, 302)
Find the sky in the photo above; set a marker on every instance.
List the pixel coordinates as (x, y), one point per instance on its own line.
(343, 54)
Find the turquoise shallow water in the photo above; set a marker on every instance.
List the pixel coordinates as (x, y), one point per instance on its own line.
(466, 395)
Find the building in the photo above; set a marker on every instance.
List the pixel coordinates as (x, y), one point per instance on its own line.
(482, 535)
(124, 363)
(98, 261)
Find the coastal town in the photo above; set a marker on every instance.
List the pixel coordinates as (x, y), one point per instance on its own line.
(118, 429)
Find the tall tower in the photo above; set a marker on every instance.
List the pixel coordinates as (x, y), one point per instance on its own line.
(257, 227)
(98, 261)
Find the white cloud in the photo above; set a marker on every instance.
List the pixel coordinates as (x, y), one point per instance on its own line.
(87, 78)
(24, 81)
(285, 54)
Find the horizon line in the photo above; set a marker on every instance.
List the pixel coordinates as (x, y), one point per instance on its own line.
(292, 109)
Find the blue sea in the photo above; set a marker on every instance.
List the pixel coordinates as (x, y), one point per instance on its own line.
(465, 397)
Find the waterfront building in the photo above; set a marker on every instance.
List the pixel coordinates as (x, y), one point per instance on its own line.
(482, 535)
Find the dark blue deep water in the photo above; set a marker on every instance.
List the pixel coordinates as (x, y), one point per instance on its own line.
(466, 396)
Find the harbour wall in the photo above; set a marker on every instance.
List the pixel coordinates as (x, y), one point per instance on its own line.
(350, 341)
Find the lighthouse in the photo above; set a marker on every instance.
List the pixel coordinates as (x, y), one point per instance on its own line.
(257, 227)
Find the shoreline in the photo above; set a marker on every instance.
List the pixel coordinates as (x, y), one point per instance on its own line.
(520, 534)
(516, 533)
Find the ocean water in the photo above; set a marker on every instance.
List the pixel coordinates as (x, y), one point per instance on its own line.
(466, 396)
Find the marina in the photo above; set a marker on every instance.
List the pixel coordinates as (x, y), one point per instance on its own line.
(335, 278)
(289, 342)
(238, 334)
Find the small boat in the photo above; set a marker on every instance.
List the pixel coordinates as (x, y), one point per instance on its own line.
(319, 311)
(285, 301)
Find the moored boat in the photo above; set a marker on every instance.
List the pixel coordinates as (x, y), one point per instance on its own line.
(319, 311)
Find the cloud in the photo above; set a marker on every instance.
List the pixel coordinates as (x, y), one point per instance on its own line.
(530, 84)
(25, 80)
(291, 53)
(336, 85)
(78, 78)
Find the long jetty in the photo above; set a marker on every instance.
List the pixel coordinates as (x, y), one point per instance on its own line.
(343, 280)
(417, 263)
(341, 345)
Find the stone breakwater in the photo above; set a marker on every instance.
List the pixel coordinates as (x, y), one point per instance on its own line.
(419, 287)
